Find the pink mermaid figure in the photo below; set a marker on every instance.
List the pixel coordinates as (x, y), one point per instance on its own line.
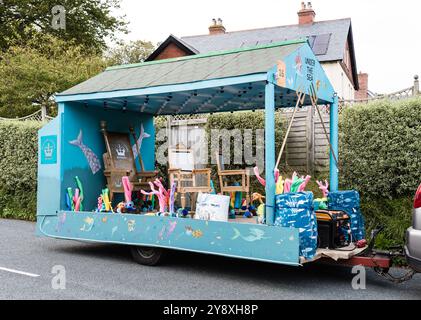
(294, 176)
(128, 189)
(161, 188)
(324, 188)
(100, 202)
(303, 186)
(77, 200)
(289, 182)
(262, 181)
(287, 186)
(257, 174)
(166, 193)
(161, 197)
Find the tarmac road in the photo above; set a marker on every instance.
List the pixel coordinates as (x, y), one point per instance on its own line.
(97, 271)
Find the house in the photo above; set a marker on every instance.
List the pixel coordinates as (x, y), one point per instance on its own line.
(332, 42)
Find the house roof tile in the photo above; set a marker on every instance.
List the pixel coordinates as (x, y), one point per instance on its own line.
(338, 29)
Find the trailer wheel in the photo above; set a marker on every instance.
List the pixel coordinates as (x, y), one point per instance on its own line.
(147, 256)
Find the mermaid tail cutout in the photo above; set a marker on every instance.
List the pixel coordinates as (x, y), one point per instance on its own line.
(90, 156)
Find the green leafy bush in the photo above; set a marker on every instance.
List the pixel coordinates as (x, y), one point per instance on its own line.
(18, 169)
(160, 123)
(380, 151)
(394, 215)
(380, 148)
(242, 121)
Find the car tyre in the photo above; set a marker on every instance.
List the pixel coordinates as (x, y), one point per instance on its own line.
(147, 256)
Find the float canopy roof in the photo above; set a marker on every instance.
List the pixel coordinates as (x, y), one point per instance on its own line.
(213, 82)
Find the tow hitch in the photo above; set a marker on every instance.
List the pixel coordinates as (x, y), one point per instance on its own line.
(385, 272)
(381, 260)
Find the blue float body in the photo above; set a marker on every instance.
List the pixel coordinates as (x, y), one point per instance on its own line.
(349, 201)
(237, 240)
(72, 145)
(295, 210)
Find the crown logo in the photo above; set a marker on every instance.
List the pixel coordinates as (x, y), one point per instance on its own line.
(121, 151)
(48, 151)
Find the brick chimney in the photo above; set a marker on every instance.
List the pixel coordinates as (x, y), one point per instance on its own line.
(362, 94)
(306, 15)
(217, 27)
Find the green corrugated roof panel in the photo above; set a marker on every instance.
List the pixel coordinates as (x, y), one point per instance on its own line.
(187, 69)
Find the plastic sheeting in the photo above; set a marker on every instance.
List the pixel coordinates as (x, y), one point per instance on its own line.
(349, 201)
(295, 210)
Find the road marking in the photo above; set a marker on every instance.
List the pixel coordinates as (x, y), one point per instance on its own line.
(32, 275)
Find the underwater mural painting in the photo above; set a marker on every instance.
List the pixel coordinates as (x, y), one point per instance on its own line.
(260, 242)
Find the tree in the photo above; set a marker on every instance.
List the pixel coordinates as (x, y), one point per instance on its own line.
(132, 52)
(30, 75)
(87, 22)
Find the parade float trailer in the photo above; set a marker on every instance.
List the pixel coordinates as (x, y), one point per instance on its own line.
(128, 97)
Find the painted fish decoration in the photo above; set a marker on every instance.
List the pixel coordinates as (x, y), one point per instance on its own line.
(255, 235)
(194, 233)
(143, 135)
(131, 224)
(88, 224)
(197, 234)
(189, 231)
(90, 156)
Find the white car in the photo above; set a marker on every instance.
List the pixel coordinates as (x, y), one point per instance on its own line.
(413, 236)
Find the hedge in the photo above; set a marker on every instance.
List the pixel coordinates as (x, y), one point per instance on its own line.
(232, 121)
(380, 151)
(242, 121)
(380, 148)
(18, 169)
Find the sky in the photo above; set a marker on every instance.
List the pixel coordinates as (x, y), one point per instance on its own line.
(386, 33)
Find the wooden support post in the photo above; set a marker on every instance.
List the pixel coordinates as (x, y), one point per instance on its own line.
(43, 113)
(136, 141)
(103, 125)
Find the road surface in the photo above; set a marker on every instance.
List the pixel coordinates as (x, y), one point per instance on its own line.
(98, 271)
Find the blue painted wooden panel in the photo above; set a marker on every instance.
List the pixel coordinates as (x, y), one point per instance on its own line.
(77, 118)
(49, 175)
(255, 242)
(270, 153)
(301, 69)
